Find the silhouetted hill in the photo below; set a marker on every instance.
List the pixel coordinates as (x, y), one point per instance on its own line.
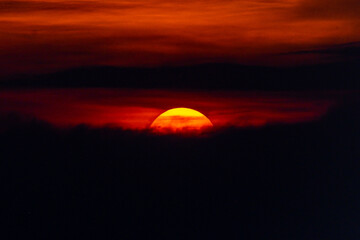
(207, 76)
(278, 182)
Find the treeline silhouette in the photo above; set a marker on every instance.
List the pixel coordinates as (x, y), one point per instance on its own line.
(277, 182)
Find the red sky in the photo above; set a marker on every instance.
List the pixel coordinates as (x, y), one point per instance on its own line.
(136, 109)
(47, 35)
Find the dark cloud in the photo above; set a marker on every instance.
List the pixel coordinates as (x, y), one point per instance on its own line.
(346, 51)
(346, 9)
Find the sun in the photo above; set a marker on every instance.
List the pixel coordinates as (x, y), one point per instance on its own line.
(181, 120)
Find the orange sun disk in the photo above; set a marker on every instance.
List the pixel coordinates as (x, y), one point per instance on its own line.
(181, 120)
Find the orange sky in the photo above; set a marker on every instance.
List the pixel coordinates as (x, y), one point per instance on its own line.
(43, 35)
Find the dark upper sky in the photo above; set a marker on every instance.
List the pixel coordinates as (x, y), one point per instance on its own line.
(48, 35)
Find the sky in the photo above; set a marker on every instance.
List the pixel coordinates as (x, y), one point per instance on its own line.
(50, 35)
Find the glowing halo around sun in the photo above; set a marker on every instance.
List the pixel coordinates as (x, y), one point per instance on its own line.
(181, 121)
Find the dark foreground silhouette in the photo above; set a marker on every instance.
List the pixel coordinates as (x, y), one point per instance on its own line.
(277, 182)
